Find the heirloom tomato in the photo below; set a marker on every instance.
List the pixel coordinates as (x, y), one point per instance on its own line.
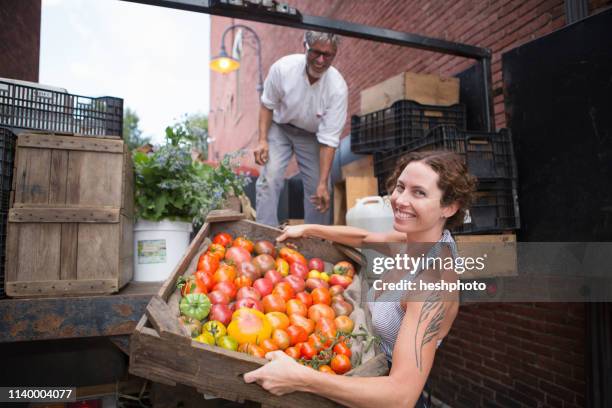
(243, 282)
(268, 345)
(296, 306)
(281, 338)
(326, 327)
(316, 264)
(315, 312)
(265, 247)
(205, 279)
(228, 288)
(215, 328)
(223, 238)
(292, 352)
(344, 268)
(228, 343)
(208, 263)
(237, 255)
(278, 320)
(249, 326)
(308, 351)
(303, 322)
(305, 298)
(284, 290)
(326, 369)
(225, 273)
(243, 242)
(282, 266)
(206, 338)
(195, 305)
(321, 295)
(291, 256)
(297, 334)
(216, 250)
(274, 303)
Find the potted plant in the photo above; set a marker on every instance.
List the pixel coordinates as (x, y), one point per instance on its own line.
(173, 192)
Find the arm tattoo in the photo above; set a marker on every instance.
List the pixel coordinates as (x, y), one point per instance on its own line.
(434, 307)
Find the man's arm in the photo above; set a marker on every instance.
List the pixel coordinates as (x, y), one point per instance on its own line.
(326, 157)
(265, 121)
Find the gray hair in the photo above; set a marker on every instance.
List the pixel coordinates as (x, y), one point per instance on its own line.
(311, 37)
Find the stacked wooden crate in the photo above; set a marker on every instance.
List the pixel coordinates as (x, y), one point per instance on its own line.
(70, 225)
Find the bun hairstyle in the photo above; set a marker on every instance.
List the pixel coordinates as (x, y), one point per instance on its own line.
(456, 184)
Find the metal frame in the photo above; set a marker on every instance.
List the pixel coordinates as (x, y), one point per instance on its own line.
(247, 11)
(258, 50)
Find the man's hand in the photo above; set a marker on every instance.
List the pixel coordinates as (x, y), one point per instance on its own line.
(261, 153)
(321, 198)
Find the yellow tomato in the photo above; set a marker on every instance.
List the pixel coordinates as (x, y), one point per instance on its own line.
(206, 338)
(278, 320)
(249, 326)
(282, 266)
(314, 274)
(324, 277)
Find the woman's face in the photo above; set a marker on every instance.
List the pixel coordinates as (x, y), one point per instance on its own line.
(416, 201)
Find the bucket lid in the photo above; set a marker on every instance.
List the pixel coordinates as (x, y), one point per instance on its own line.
(163, 225)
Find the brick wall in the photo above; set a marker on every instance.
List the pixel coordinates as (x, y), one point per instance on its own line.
(20, 39)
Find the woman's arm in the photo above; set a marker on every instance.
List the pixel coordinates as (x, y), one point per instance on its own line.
(351, 236)
(413, 358)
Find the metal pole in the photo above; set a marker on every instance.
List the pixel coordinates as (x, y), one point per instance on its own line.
(258, 50)
(487, 80)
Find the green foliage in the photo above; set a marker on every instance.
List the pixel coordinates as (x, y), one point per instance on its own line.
(195, 128)
(170, 185)
(131, 133)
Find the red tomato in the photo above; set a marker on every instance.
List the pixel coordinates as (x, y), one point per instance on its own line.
(223, 238)
(208, 263)
(298, 269)
(297, 334)
(274, 303)
(281, 338)
(237, 255)
(340, 364)
(308, 351)
(273, 276)
(206, 279)
(245, 243)
(292, 352)
(268, 345)
(304, 322)
(326, 327)
(247, 292)
(321, 295)
(254, 350)
(316, 312)
(344, 268)
(228, 288)
(342, 348)
(225, 273)
(216, 250)
(291, 256)
(284, 290)
(296, 306)
(305, 298)
(316, 341)
(317, 264)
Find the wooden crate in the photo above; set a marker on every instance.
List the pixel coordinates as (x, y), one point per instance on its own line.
(71, 223)
(421, 88)
(346, 193)
(159, 351)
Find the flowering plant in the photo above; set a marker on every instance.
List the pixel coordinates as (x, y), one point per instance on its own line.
(169, 184)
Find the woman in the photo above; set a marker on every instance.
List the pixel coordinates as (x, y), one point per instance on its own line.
(431, 191)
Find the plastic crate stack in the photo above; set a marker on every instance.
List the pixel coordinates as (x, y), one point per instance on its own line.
(407, 126)
(50, 110)
(7, 157)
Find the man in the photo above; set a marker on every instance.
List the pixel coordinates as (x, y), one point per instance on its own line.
(303, 111)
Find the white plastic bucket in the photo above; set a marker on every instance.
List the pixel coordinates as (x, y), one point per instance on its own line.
(158, 248)
(373, 213)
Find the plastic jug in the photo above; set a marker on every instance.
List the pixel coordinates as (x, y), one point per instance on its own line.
(373, 213)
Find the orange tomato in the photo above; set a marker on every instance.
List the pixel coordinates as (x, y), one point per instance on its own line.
(296, 306)
(274, 303)
(245, 243)
(255, 350)
(281, 338)
(291, 256)
(315, 312)
(340, 364)
(321, 296)
(326, 327)
(344, 324)
(226, 272)
(297, 334)
(308, 351)
(326, 369)
(223, 238)
(316, 341)
(292, 352)
(249, 326)
(269, 345)
(342, 348)
(282, 266)
(208, 263)
(305, 298)
(242, 281)
(284, 290)
(216, 250)
(304, 322)
(278, 320)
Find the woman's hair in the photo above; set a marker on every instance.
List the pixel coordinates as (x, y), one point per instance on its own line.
(456, 184)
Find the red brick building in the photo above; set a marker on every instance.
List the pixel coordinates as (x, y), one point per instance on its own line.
(497, 355)
(20, 39)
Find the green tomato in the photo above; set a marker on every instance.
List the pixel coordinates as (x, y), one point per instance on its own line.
(206, 338)
(228, 343)
(215, 327)
(196, 305)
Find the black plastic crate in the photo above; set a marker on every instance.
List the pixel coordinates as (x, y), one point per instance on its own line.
(3, 228)
(404, 122)
(29, 107)
(495, 208)
(486, 154)
(7, 161)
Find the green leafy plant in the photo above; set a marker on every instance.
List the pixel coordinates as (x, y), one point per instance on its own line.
(170, 185)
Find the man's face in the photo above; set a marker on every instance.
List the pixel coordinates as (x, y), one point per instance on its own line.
(319, 57)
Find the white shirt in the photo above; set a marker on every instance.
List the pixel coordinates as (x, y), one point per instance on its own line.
(318, 108)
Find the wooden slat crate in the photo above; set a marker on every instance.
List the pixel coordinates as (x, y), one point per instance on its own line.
(159, 351)
(71, 221)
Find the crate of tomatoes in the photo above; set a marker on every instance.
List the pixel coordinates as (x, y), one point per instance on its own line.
(236, 294)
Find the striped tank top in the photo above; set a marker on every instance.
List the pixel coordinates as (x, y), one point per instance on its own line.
(386, 310)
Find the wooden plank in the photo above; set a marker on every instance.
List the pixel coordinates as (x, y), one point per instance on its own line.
(170, 284)
(49, 214)
(61, 287)
(12, 252)
(224, 215)
(162, 318)
(501, 257)
(32, 176)
(51, 141)
(347, 192)
(126, 248)
(128, 184)
(95, 179)
(98, 251)
(68, 251)
(59, 172)
(39, 252)
(363, 167)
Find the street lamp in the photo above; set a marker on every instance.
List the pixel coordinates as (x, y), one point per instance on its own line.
(225, 64)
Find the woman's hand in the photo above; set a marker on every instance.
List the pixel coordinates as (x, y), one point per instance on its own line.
(280, 376)
(292, 231)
